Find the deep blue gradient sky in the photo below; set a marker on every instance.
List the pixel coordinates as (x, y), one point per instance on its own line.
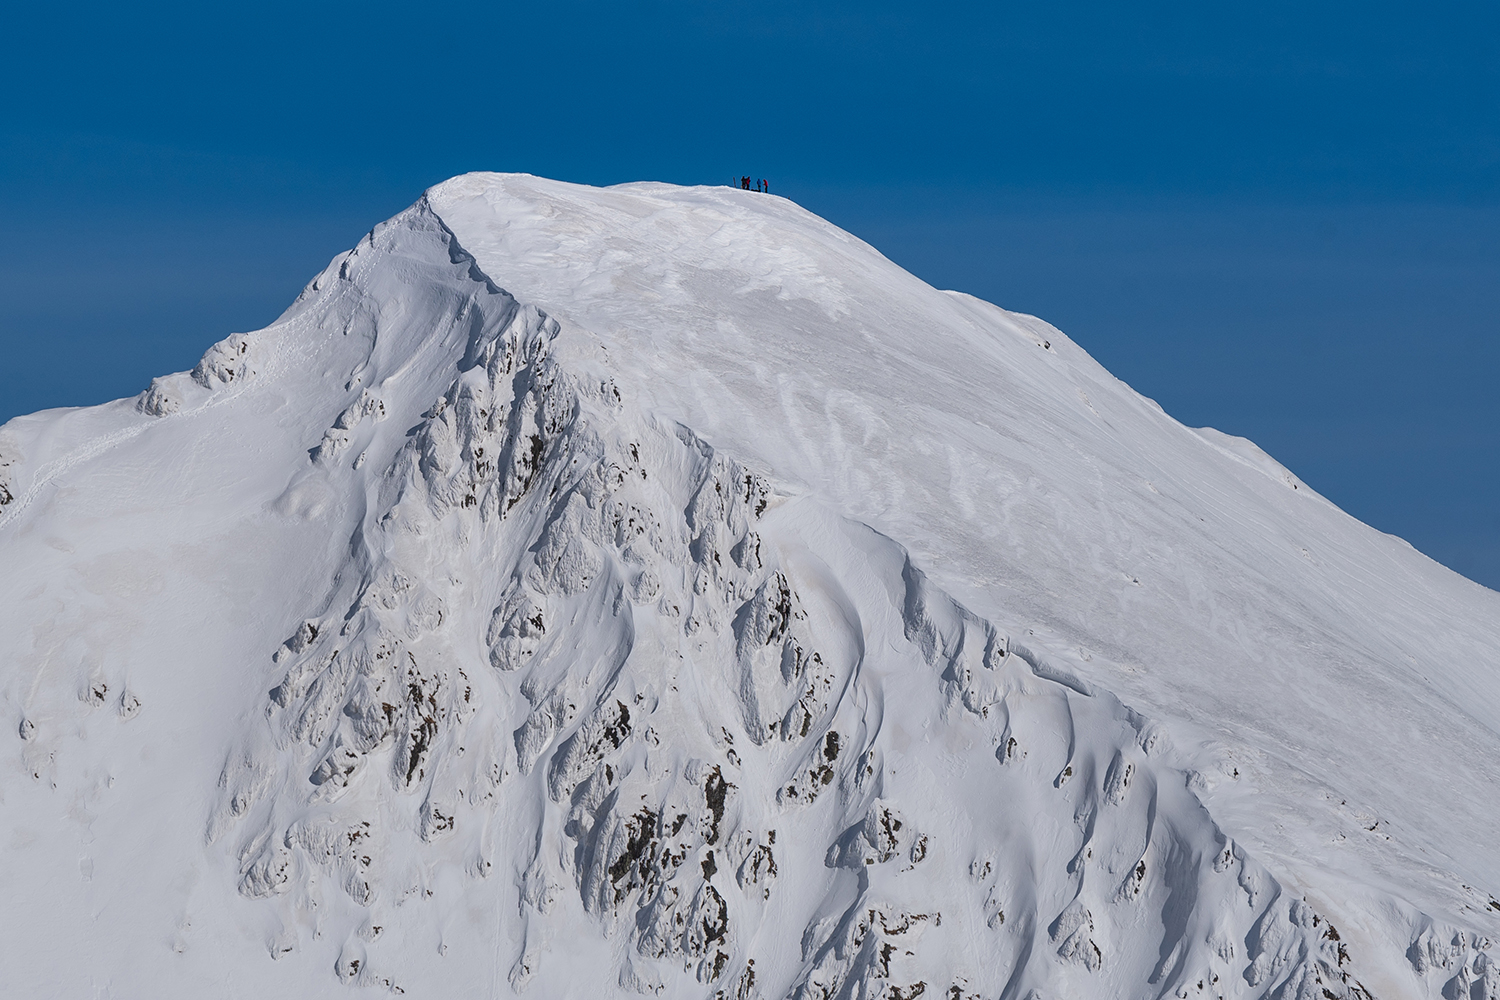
(1279, 219)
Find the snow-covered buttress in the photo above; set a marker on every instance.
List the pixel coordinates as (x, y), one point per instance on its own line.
(654, 590)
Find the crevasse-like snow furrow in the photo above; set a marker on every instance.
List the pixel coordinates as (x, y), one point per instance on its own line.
(564, 620)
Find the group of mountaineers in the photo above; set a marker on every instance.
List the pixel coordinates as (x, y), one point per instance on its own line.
(763, 186)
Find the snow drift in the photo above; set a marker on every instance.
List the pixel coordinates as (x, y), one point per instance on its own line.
(654, 590)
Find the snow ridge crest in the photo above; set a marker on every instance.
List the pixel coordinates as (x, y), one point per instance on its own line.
(554, 682)
(655, 697)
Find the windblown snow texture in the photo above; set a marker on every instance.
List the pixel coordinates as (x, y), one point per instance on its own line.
(655, 591)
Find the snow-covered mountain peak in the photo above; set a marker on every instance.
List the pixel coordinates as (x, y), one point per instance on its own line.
(655, 590)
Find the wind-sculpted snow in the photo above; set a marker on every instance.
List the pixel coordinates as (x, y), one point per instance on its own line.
(547, 693)
(648, 609)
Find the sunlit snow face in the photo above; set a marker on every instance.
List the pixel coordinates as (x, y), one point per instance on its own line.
(560, 596)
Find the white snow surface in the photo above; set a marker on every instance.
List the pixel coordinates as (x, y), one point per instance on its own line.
(653, 590)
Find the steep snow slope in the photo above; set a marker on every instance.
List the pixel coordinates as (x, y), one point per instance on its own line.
(651, 589)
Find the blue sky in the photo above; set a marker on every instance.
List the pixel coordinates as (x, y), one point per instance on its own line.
(1279, 219)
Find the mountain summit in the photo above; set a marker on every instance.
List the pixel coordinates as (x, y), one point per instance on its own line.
(655, 590)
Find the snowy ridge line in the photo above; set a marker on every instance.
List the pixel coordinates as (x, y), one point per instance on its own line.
(228, 368)
(589, 529)
(166, 398)
(624, 627)
(1245, 452)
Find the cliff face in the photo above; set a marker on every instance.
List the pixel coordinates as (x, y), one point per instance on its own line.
(654, 590)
